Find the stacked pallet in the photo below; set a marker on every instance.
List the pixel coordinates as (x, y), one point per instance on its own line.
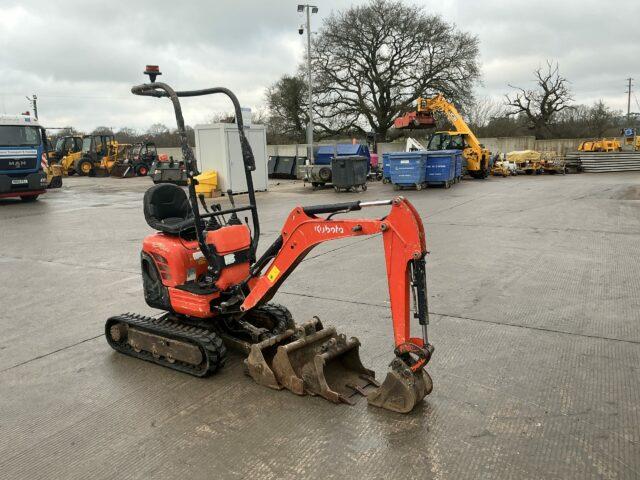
(597, 162)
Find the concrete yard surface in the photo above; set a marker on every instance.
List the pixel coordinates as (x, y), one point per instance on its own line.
(534, 294)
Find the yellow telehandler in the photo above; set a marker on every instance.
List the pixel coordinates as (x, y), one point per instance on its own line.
(461, 138)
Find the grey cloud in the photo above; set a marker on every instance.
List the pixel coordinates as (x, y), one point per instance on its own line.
(82, 58)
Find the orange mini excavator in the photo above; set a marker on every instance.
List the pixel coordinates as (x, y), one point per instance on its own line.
(201, 269)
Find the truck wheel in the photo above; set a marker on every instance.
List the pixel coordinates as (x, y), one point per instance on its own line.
(364, 188)
(29, 198)
(418, 186)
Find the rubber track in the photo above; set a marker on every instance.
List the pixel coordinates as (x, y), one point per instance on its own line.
(210, 344)
(277, 311)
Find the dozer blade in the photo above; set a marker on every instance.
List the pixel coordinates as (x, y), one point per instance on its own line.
(402, 390)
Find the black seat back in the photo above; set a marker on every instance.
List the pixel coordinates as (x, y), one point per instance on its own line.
(167, 209)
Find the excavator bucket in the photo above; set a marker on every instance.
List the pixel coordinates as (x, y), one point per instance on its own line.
(259, 363)
(313, 361)
(402, 390)
(317, 361)
(122, 170)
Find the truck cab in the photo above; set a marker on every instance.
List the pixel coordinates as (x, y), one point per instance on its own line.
(22, 157)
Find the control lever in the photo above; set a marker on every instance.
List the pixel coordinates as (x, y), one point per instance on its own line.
(230, 195)
(203, 203)
(233, 220)
(213, 223)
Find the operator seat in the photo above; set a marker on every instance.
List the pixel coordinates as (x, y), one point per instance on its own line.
(167, 209)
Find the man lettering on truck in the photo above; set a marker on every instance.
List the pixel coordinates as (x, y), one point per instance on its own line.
(22, 157)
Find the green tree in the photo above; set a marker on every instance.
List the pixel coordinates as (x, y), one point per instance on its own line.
(286, 101)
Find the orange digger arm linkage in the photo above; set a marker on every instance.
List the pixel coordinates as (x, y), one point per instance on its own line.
(404, 244)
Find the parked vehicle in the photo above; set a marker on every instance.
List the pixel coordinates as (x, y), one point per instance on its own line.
(319, 173)
(23, 158)
(461, 138)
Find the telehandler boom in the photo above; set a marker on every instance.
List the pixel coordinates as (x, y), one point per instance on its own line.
(461, 138)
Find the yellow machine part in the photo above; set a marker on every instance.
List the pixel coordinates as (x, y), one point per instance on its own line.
(475, 154)
(54, 176)
(524, 156)
(67, 163)
(207, 183)
(600, 145)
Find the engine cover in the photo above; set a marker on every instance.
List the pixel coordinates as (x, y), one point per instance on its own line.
(179, 264)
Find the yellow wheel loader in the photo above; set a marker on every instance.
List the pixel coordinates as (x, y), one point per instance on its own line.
(99, 155)
(65, 145)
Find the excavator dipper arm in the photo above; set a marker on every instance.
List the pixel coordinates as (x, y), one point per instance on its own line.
(404, 243)
(302, 365)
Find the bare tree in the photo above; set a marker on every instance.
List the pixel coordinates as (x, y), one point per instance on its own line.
(102, 131)
(541, 104)
(482, 111)
(158, 129)
(222, 117)
(371, 62)
(127, 135)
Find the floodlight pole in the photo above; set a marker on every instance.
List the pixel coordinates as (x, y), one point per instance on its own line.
(309, 9)
(34, 104)
(310, 81)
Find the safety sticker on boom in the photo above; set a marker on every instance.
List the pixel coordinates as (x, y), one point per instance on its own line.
(273, 274)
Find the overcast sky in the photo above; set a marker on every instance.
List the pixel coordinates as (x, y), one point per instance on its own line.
(81, 57)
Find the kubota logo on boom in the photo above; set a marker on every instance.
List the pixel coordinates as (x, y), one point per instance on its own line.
(325, 229)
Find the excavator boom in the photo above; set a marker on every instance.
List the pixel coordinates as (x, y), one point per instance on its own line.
(298, 365)
(404, 242)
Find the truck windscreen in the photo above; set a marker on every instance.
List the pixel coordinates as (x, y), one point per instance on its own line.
(18, 136)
